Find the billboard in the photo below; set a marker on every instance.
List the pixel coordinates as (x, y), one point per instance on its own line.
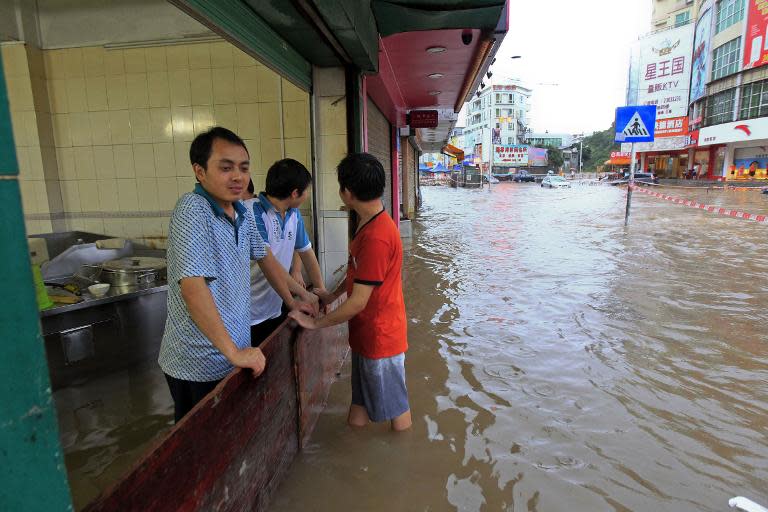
(660, 71)
(510, 155)
(702, 43)
(756, 42)
(537, 157)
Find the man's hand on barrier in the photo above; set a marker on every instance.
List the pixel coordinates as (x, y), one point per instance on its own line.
(250, 357)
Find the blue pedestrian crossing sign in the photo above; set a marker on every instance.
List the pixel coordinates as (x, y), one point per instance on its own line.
(635, 124)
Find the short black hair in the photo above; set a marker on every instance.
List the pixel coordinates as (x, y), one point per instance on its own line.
(200, 150)
(285, 176)
(363, 175)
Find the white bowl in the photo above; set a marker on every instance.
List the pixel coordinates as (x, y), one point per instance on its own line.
(99, 289)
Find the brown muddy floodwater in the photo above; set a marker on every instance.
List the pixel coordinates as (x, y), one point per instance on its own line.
(560, 362)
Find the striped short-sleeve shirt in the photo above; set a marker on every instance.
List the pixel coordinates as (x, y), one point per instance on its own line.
(204, 242)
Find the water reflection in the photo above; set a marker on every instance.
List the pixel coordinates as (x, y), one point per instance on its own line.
(559, 361)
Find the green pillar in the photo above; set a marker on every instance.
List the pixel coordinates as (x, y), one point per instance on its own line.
(32, 473)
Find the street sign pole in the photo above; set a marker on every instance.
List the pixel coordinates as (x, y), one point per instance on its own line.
(631, 184)
(634, 124)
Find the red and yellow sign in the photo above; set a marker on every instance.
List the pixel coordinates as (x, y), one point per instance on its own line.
(619, 158)
(672, 127)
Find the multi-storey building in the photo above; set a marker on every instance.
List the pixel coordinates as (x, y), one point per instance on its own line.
(498, 114)
(672, 13)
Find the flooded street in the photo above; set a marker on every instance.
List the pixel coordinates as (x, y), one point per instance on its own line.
(559, 361)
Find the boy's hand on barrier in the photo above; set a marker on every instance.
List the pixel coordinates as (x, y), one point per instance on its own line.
(324, 295)
(303, 319)
(250, 357)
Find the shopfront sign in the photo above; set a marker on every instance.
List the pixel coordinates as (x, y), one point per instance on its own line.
(619, 158)
(672, 127)
(510, 155)
(661, 144)
(660, 72)
(422, 118)
(756, 46)
(738, 131)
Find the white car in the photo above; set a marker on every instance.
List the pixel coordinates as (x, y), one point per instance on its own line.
(555, 182)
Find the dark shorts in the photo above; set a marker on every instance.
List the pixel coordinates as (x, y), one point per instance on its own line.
(379, 386)
(186, 394)
(262, 331)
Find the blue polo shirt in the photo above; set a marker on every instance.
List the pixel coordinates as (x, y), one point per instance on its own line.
(204, 242)
(282, 236)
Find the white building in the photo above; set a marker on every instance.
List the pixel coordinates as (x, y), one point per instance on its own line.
(554, 140)
(503, 106)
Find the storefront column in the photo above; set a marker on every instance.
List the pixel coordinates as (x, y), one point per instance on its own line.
(711, 172)
(642, 162)
(330, 146)
(728, 160)
(31, 458)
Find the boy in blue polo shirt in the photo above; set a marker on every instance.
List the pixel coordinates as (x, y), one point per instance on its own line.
(211, 239)
(281, 226)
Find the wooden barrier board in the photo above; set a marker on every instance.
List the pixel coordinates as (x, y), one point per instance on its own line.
(234, 448)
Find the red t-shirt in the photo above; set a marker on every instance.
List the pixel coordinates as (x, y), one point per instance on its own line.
(376, 258)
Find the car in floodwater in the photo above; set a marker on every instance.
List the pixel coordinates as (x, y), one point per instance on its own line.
(555, 182)
(643, 177)
(523, 176)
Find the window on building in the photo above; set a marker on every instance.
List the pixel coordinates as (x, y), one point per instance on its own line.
(728, 13)
(754, 100)
(682, 18)
(720, 108)
(509, 140)
(498, 112)
(498, 98)
(726, 59)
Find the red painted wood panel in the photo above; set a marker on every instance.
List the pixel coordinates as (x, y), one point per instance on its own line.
(319, 356)
(235, 447)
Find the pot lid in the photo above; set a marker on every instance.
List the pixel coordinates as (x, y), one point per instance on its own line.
(135, 264)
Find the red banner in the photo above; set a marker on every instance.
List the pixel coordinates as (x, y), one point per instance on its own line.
(672, 127)
(756, 45)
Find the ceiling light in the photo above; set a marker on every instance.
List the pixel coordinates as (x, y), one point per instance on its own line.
(435, 75)
(436, 49)
(435, 93)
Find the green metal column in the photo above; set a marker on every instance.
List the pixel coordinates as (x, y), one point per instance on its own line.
(32, 473)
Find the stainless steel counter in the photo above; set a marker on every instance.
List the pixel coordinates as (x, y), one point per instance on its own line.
(113, 295)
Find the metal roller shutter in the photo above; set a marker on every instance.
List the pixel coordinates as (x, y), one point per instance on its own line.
(380, 146)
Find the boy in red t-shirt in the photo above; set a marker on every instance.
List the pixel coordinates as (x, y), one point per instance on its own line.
(374, 308)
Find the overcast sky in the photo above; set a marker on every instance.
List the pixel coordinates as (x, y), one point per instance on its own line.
(583, 46)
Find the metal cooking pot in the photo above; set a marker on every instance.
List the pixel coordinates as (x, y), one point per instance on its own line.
(133, 271)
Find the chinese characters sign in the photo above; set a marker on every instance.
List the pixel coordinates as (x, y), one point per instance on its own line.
(510, 155)
(756, 47)
(672, 127)
(661, 72)
(422, 118)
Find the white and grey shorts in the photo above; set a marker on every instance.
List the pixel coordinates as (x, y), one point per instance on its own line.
(379, 386)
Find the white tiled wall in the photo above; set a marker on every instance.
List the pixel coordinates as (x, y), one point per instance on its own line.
(121, 121)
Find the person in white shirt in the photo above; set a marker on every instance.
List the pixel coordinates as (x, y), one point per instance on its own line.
(280, 224)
